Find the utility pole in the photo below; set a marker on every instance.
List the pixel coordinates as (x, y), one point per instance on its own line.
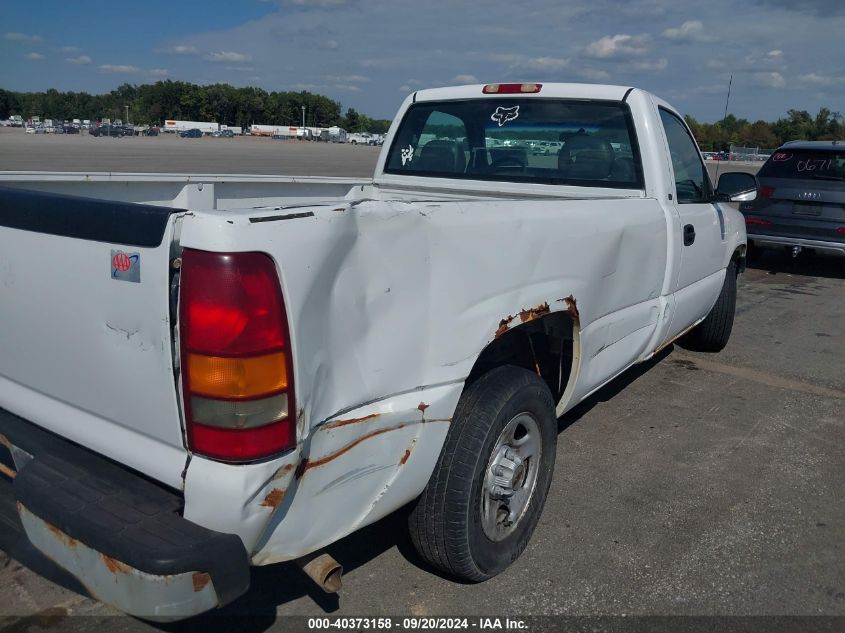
(303, 116)
(127, 114)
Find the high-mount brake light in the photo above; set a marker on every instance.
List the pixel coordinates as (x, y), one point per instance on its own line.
(511, 89)
(237, 372)
(757, 221)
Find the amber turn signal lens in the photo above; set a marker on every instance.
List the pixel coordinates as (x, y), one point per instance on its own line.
(234, 378)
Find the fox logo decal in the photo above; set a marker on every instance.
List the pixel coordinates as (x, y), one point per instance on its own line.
(502, 115)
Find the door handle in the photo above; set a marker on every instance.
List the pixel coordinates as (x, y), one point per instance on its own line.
(689, 234)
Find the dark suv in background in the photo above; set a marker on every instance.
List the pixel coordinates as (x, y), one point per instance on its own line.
(800, 200)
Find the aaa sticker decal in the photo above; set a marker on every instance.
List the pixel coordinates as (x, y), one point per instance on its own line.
(126, 266)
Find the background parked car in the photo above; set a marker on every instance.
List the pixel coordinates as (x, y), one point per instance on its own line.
(108, 130)
(800, 201)
(192, 133)
(223, 134)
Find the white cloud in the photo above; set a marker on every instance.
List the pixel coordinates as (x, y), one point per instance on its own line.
(648, 65)
(355, 79)
(119, 68)
(615, 46)
(464, 79)
(81, 60)
(330, 45)
(22, 37)
(770, 80)
(178, 49)
(69, 49)
(158, 72)
(543, 63)
(827, 81)
(227, 56)
(347, 87)
(405, 88)
(322, 4)
(689, 31)
(34, 56)
(592, 74)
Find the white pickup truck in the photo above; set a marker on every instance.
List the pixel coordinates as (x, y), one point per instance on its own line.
(203, 373)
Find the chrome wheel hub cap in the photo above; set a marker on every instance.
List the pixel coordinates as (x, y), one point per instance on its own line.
(511, 477)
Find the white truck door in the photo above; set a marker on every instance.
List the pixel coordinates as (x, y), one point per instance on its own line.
(700, 229)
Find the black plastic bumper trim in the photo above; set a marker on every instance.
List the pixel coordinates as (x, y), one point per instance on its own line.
(120, 513)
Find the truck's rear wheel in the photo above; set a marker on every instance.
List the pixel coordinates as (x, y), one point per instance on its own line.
(713, 333)
(486, 493)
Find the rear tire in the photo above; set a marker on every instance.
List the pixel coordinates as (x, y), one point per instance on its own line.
(713, 333)
(485, 496)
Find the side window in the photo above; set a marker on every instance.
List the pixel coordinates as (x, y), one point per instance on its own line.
(691, 181)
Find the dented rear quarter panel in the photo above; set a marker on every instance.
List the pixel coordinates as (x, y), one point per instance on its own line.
(390, 303)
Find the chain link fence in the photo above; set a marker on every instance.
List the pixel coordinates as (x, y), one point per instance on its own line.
(747, 154)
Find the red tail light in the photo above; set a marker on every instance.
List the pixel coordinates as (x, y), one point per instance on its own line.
(766, 192)
(237, 372)
(757, 221)
(840, 230)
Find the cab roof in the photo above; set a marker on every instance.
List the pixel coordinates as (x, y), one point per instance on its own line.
(558, 90)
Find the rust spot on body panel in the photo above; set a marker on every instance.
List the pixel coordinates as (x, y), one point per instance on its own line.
(200, 579)
(113, 565)
(307, 464)
(530, 314)
(61, 536)
(284, 470)
(274, 498)
(407, 454)
(504, 324)
(422, 406)
(338, 423)
(571, 306)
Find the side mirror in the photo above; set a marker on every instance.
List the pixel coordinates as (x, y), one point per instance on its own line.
(736, 186)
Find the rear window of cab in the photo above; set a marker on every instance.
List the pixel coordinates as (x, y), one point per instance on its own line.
(545, 141)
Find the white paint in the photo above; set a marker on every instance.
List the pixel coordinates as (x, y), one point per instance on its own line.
(393, 288)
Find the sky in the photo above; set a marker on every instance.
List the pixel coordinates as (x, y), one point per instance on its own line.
(370, 54)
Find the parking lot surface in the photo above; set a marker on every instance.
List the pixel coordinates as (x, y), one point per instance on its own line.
(171, 154)
(694, 484)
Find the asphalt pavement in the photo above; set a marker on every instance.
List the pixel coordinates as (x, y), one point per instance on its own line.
(694, 484)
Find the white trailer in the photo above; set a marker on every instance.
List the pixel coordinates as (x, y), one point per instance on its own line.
(268, 130)
(206, 127)
(238, 130)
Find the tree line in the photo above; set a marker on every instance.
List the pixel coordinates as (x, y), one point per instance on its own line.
(797, 125)
(151, 104)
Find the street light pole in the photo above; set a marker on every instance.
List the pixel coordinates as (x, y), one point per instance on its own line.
(127, 114)
(303, 117)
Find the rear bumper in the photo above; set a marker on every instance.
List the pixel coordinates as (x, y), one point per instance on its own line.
(116, 532)
(778, 241)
